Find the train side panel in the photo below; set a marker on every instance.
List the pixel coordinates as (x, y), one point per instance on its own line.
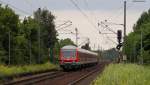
(87, 59)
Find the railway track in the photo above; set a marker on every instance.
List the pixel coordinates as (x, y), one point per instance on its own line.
(76, 82)
(35, 78)
(82, 78)
(59, 77)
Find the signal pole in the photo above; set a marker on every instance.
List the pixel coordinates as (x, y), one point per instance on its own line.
(125, 19)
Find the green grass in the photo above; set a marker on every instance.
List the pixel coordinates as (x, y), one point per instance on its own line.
(124, 74)
(17, 70)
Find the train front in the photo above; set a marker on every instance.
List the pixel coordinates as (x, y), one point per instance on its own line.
(69, 57)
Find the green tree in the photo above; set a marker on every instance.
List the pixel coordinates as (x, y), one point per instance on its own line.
(133, 43)
(29, 29)
(48, 31)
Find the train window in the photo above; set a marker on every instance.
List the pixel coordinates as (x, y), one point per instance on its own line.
(69, 53)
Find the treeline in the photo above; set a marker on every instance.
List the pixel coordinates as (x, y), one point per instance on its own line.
(137, 45)
(27, 41)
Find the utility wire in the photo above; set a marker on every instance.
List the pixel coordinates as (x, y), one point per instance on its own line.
(86, 17)
(106, 26)
(64, 24)
(86, 3)
(64, 27)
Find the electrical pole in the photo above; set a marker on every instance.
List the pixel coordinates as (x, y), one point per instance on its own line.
(76, 36)
(125, 19)
(9, 49)
(124, 42)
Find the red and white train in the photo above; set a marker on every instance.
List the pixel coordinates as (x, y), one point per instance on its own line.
(72, 57)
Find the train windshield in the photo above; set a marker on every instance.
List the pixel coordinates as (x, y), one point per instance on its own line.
(69, 53)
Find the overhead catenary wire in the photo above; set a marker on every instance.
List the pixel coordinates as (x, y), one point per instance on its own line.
(86, 3)
(63, 24)
(103, 26)
(106, 26)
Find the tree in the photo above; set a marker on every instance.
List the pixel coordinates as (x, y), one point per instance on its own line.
(29, 28)
(133, 42)
(48, 31)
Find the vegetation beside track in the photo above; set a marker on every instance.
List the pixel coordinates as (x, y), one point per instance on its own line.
(124, 74)
(11, 71)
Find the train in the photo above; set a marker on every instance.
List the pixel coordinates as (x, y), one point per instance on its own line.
(72, 57)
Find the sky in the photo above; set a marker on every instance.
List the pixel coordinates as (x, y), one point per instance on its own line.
(86, 17)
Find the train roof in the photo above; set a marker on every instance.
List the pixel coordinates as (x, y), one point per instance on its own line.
(79, 49)
(86, 51)
(69, 47)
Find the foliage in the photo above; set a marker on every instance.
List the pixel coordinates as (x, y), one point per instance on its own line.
(132, 46)
(124, 74)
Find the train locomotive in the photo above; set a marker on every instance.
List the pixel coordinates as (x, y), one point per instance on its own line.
(72, 57)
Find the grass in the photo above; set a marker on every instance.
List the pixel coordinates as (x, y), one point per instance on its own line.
(6, 71)
(124, 74)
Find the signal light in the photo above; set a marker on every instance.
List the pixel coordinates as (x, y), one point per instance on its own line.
(119, 36)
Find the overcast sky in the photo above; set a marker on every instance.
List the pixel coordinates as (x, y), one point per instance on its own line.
(95, 11)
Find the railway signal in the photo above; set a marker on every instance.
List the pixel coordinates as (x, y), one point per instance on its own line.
(119, 36)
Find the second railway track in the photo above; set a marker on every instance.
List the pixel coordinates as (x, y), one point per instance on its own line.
(35, 78)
